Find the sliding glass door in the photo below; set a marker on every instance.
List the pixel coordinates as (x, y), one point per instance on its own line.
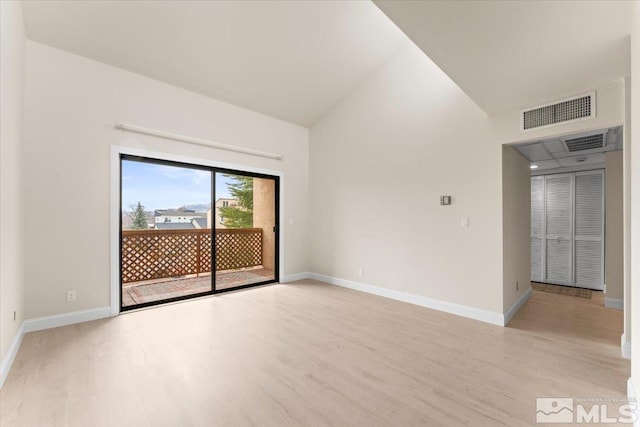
(189, 230)
(245, 224)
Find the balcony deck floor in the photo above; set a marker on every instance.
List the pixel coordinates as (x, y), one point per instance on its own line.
(162, 289)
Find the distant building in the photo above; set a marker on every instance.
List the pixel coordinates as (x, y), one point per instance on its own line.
(221, 202)
(179, 216)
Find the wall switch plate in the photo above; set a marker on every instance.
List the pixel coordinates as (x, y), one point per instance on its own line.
(464, 222)
(445, 200)
(71, 296)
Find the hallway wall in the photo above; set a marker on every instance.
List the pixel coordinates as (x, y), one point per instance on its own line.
(614, 230)
(516, 226)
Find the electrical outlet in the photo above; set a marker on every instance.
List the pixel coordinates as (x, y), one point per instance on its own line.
(517, 285)
(361, 272)
(71, 296)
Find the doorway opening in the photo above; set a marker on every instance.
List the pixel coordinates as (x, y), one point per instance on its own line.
(564, 234)
(189, 230)
(576, 217)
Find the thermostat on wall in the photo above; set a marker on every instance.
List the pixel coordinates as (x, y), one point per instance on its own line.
(445, 200)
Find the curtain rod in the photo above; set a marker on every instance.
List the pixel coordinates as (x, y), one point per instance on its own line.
(197, 141)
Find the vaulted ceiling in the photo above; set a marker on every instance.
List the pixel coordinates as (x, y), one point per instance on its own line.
(296, 60)
(508, 55)
(290, 60)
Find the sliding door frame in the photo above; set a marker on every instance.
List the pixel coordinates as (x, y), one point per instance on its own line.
(153, 161)
(276, 226)
(119, 152)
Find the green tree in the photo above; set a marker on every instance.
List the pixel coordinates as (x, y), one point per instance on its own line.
(241, 216)
(138, 217)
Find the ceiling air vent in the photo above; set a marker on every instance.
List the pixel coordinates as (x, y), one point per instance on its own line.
(585, 143)
(568, 110)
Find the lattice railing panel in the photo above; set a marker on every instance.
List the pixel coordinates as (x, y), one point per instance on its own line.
(205, 252)
(237, 248)
(157, 254)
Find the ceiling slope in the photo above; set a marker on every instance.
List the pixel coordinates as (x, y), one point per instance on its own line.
(290, 60)
(509, 55)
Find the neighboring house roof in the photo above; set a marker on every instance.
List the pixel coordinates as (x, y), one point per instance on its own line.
(174, 226)
(175, 212)
(199, 222)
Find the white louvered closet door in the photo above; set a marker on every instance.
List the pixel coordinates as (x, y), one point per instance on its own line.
(589, 229)
(537, 228)
(559, 229)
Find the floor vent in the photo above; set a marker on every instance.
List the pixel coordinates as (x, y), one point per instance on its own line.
(568, 110)
(585, 143)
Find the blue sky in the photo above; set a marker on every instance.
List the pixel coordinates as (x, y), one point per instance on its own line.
(162, 187)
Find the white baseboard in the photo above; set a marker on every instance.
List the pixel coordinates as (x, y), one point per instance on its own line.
(631, 395)
(294, 277)
(487, 316)
(65, 319)
(625, 347)
(616, 303)
(517, 305)
(8, 359)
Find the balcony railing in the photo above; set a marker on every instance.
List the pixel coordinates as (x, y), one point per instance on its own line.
(157, 254)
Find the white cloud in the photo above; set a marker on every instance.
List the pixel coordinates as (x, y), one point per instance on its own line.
(196, 176)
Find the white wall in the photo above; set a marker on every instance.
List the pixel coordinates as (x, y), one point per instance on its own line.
(516, 225)
(71, 104)
(379, 162)
(626, 177)
(635, 199)
(12, 53)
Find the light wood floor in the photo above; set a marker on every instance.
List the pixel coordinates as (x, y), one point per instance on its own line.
(313, 354)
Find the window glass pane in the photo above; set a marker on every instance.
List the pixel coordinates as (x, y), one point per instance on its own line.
(166, 232)
(245, 233)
